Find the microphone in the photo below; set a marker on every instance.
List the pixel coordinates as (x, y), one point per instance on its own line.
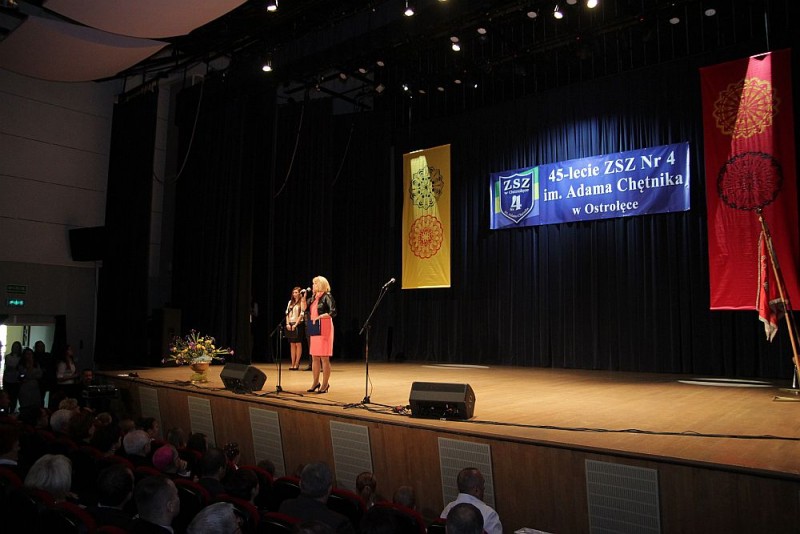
(306, 290)
(390, 282)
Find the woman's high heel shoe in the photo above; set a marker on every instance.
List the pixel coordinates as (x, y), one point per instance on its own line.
(313, 388)
(326, 389)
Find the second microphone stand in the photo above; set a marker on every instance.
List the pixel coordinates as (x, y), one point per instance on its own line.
(366, 328)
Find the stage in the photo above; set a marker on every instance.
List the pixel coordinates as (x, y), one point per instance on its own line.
(692, 430)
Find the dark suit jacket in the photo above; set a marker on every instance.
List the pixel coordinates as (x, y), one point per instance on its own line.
(111, 516)
(308, 509)
(140, 526)
(213, 486)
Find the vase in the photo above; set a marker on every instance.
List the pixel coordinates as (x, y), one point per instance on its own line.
(200, 372)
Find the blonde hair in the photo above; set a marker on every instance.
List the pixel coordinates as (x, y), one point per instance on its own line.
(322, 283)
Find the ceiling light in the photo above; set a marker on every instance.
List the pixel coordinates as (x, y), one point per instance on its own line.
(710, 12)
(272, 6)
(380, 88)
(422, 91)
(481, 31)
(409, 12)
(532, 14)
(362, 70)
(475, 85)
(440, 89)
(267, 66)
(380, 63)
(557, 13)
(591, 4)
(674, 20)
(572, 2)
(342, 76)
(457, 81)
(405, 87)
(456, 47)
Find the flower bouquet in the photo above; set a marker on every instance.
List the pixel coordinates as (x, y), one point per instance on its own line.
(197, 351)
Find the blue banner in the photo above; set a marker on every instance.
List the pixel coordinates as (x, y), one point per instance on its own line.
(637, 182)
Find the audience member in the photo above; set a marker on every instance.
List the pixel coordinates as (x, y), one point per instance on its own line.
(30, 393)
(267, 465)
(158, 503)
(44, 360)
(213, 467)
(66, 376)
(114, 490)
(405, 496)
(53, 474)
(11, 374)
(69, 403)
(6, 410)
(233, 455)
(106, 438)
(242, 483)
(59, 421)
(126, 425)
(149, 425)
(366, 486)
(81, 427)
(217, 518)
(136, 445)
(471, 487)
(177, 437)
(9, 447)
(464, 518)
(167, 460)
(313, 527)
(198, 442)
(316, 483)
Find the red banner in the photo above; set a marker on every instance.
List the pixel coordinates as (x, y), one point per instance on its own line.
(750, 166)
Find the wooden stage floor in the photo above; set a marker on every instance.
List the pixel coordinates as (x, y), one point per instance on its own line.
(744, 425)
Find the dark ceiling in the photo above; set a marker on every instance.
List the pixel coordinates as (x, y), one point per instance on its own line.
(524, 49)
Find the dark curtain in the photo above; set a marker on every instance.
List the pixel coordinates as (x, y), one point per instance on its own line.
(627, 294)
(122, 296)
(223, 127)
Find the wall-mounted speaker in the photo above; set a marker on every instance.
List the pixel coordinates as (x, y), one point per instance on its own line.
(87, 244)
(441, 401)
(242, 378)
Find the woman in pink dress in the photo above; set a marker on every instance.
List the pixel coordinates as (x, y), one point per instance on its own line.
(322, 309)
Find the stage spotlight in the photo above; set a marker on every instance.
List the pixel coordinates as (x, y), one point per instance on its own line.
(557, 13)
(591, 4)
(405, 87)
(455, 44)
(272, 6)
(409, 12)
(267, 66)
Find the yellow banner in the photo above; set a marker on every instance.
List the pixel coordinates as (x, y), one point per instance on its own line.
(426, 218)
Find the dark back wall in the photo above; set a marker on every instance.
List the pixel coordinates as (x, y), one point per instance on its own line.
(626, 294)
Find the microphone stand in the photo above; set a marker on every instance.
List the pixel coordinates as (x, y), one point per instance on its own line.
(366, 328)
(278, 342)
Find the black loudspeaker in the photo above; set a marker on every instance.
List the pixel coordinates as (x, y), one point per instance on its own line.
(441, 401)
(87, 244)
(242, 378)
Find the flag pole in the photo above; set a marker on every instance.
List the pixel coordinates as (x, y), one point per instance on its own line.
(787, 308)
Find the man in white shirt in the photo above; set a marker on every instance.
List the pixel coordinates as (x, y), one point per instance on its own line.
(471, 485)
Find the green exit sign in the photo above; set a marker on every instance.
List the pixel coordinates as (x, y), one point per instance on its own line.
(15, 303)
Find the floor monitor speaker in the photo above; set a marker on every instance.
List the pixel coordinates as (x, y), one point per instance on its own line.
(242, 378)
(441, 401)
